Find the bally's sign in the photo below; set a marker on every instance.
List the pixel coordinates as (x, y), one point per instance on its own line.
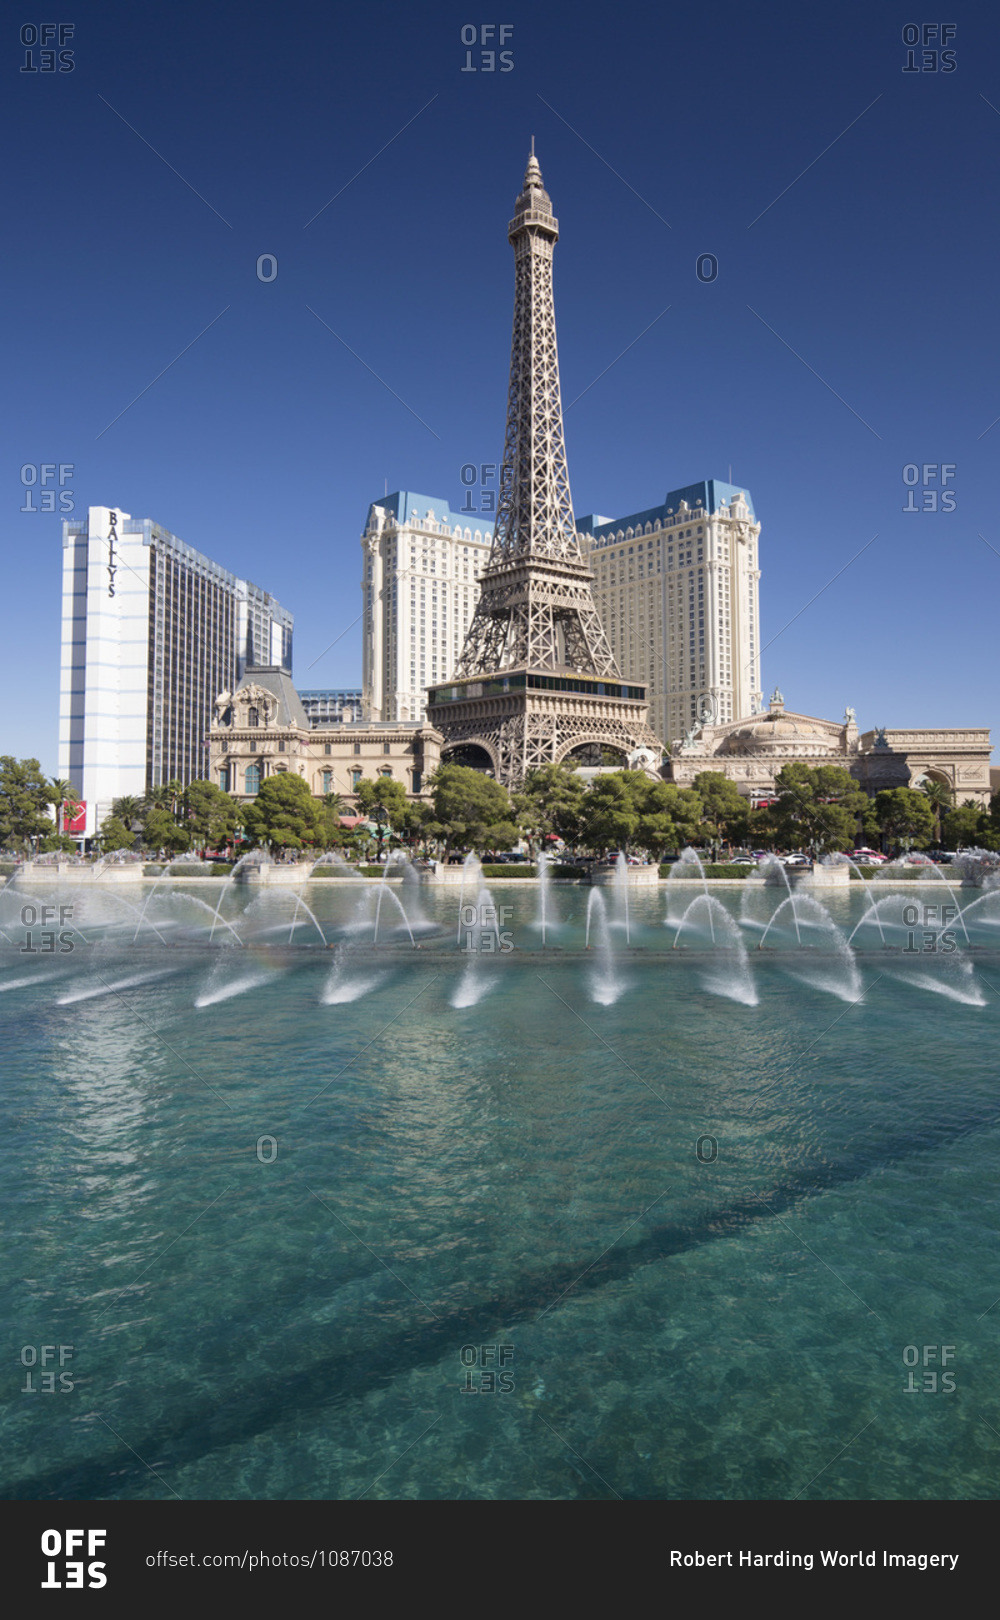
(112, 553)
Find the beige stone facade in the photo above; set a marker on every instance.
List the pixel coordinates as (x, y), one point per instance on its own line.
(752, 750)
(262, 729)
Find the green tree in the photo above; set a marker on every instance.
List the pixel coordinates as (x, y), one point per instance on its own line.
(284, 813)
(62, 792)
(25, 797)
(167, 797)
(669, 817)
(213, 817)
(965, 827)
(551, 803)
(472, 810)
(725, 808)
(160, 831)
(129, 810)
(334, 835)
(817, 807)
(384, 801)
(115, 835)
(905, 816)
(939, 797)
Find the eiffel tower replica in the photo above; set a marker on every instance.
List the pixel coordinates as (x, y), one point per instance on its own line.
(537, 680)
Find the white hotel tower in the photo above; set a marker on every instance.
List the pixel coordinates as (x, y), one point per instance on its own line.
(676, 587)
(419, 587)
(152, 632)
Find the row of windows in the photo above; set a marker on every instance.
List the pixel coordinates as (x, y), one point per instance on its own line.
(252, 775)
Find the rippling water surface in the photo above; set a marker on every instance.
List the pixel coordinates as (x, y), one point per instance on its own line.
(636, 1220)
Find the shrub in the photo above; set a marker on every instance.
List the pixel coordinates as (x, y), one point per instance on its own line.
(502, 870)
(714, 871)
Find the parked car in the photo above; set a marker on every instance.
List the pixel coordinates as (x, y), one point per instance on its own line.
(866, 857)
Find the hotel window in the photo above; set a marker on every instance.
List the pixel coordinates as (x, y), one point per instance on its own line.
(355, 779)
(327, 781)
(251, 779)
(357, 748)
(224, 779)
(253, 717)
(328, 748)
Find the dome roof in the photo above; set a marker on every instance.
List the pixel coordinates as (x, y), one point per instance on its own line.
(781, 730)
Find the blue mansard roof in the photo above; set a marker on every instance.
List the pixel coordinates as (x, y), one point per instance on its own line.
(710, 493)
(405, 505)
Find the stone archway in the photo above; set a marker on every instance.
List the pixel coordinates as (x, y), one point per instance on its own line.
(589, 752)
(473, 753)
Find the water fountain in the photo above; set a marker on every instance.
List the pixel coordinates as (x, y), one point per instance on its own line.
(605, 984)
(621, 893)
(471, 869)
(336, 861)
(728, 971)
(544, 893)
(838, 973)
(478, 979)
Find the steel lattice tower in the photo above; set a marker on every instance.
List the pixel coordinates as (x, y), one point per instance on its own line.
(537, 677)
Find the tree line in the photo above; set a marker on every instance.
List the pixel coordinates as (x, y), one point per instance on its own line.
(818, 809)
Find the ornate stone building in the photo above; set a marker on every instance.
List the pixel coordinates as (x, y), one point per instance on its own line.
(262, 728)
(752, 750)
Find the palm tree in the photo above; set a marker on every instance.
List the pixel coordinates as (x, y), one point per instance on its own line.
(941, 798)
(63, 792)
(129, 810)
(167, 796)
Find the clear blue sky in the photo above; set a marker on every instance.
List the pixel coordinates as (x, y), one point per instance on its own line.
(662, 136)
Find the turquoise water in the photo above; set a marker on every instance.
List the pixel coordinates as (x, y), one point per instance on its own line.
(285, 1202)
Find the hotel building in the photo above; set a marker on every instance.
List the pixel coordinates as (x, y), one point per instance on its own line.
(152, 631)
(421, 564)
(676, 587)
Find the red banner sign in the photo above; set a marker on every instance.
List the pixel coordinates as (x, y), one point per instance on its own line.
(74, 817)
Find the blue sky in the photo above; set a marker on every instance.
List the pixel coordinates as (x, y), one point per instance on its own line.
(849, 334)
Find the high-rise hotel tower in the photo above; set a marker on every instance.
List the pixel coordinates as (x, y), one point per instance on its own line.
(152, 632)
(677, 590)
